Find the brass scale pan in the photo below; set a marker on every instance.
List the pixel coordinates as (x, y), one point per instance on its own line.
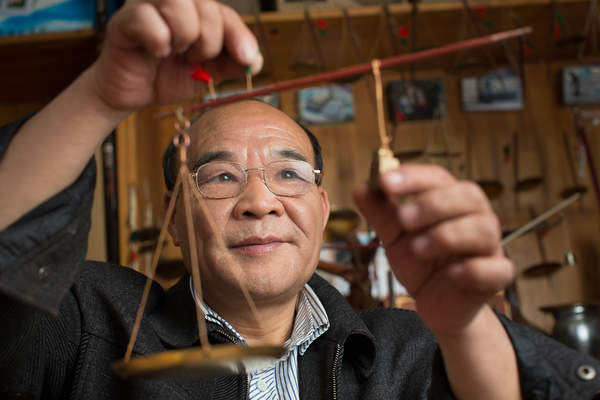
(197, 362)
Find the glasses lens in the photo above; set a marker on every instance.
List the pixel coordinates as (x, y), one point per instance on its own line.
(289, 177)
(219, 180)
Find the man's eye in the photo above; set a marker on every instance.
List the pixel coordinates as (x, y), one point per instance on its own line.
(220, 178)
(289, 174)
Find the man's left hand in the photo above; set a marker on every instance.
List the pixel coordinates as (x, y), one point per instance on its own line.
(442, 240)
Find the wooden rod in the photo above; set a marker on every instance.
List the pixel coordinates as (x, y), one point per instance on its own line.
(535, 222)
(155, 257)
(359, 69)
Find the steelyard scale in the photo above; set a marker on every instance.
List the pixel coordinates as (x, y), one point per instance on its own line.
(209, 360)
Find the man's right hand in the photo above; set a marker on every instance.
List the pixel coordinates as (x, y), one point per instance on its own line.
(150, 49)
(152, 46)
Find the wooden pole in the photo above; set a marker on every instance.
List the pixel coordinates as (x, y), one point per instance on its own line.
(360, 69)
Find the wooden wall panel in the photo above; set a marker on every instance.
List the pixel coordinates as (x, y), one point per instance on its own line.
(348, 147)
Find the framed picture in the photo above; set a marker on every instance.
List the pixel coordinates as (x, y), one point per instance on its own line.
(581, 85)
(21, 17)
(497, 90)
(272, 99)
(330, 104)
(416, 99)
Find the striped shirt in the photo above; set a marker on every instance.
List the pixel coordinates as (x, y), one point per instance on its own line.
(280, 381)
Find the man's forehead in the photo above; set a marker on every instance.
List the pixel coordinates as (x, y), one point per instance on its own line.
(248, 121)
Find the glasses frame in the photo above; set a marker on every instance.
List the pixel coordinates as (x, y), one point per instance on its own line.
(317, 172)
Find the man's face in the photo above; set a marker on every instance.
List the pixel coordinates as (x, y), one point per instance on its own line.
(274, 240)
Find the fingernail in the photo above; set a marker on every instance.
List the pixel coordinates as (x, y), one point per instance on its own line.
(393, 178)
(249, 52)
(420, 244)
(409, 213)
(257, 64)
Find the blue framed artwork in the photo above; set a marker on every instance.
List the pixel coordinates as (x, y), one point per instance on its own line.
(330, 104)
(497, 90)
(21, 17)
(581, 85)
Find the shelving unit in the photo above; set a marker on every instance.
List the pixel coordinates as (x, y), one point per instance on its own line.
(34, 68)
(37, 67)
(438, 23)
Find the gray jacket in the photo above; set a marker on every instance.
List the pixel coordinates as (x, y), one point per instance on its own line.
(65, 320)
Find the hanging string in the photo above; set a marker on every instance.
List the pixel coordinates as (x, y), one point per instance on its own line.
(191, 240)
(248, 78)
(155, 256)
(221, 246)
(222, 249)
(185, 184)
(383, 137)
(209, 223)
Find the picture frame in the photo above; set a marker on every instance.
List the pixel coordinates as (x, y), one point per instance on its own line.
(581, 85)
(330, 104)
(420, 99)
(496, 90)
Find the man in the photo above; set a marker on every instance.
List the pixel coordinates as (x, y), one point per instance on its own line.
(443, 244)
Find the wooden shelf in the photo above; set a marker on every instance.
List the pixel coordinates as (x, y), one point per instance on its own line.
(401, 8)
(46, 37)
(438, 23)
(37, 67)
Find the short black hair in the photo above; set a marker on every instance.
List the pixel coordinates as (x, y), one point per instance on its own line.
(169, 160)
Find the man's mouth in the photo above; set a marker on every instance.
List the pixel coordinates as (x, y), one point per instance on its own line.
(257, 245)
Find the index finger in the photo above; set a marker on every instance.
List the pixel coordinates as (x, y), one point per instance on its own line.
(232, 35)
(414, 178)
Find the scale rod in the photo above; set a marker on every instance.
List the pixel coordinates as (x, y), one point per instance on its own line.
(359, 69)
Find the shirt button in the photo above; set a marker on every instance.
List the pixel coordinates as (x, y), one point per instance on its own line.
(586, 372)
(261, 385)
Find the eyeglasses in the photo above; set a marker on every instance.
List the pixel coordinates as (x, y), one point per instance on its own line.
(223, 179)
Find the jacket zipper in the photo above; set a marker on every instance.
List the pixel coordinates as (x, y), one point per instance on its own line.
(228, 336)
(235, 341)
(338, 349)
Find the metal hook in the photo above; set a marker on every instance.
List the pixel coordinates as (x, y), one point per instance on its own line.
(183, 123)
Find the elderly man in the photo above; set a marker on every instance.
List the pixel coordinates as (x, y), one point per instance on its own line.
(256, 169)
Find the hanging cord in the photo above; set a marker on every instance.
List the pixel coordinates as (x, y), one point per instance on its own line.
(383, 137)
(222, 248)
(184, 183)
(209, 223)
(155, 256)
(248, 78)
(182, 141)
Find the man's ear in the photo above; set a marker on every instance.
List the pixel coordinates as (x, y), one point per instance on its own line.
(172, 227)
(325, 204)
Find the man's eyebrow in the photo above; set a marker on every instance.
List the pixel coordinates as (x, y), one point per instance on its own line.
(212, 156)
(290, 153)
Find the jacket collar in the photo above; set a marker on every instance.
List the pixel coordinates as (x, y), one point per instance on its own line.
(346, 327)
(174, 321)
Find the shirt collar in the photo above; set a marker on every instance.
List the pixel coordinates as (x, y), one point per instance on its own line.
(311, 319)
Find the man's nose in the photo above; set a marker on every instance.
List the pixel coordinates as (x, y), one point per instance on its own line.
(256, 200)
